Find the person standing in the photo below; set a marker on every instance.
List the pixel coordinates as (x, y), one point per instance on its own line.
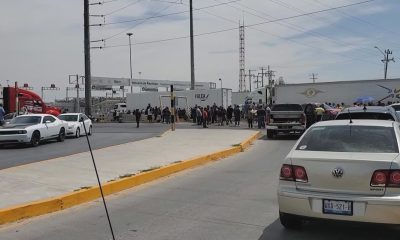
(319, 111)
(250, 117)
(229, 113)
(2, 113)
(261, 117)
(205, 117)
(236, 113)
(138, 116)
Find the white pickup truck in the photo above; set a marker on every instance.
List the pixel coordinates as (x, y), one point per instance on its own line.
(286, 118)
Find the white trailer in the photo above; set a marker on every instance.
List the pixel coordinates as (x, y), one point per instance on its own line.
(338, 92)
(185, 99)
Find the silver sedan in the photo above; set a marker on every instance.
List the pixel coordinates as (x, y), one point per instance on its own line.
(347, 170)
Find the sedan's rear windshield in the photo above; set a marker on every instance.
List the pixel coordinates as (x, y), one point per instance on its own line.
(287, 107)
(366, 115)
(369, 139)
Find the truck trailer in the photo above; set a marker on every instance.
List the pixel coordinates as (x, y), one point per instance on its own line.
(184, 99)
(347, 92)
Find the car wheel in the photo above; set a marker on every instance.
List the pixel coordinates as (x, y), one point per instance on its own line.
(270, 134)
(290, 221)
(61, 135)
(90, 131)
(78, 133)
(35, 139)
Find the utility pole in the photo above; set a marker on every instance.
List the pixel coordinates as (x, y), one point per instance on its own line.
(386, 59)
(88, 77)
(314, 77)
(262, 76)
(130, 59)
(192, 80)
(250, 75)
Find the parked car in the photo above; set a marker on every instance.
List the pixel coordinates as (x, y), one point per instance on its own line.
(369, 112)
(75, 124)
(342, 170)
(32, 129)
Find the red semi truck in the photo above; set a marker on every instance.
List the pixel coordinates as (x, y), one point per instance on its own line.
(26, 101)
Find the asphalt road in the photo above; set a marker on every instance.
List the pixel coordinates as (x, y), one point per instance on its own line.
(230, 199)
(104, 135)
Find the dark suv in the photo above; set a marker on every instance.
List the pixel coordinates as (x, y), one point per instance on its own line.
(369, 112)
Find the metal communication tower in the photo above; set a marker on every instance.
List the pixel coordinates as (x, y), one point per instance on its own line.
(242, 66)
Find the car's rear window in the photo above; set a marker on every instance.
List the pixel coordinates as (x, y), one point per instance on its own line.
(287, 107)
(369, 139)
(366, 115)
(396, 107)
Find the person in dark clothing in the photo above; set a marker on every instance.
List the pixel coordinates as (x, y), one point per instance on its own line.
(138, 115)
(229, 113)
(261, 117)
(236, 113)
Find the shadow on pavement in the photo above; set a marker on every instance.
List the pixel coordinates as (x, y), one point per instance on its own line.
(327, 230)
(281, 137)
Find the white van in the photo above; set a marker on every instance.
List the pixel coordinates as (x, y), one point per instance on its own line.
(120, 108)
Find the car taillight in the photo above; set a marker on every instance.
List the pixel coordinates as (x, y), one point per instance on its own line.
(303, 119)
(293, 173)
(385, 178)
(394, 178)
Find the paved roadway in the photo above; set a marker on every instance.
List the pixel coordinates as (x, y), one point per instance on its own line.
(230, 199)
(104, 134)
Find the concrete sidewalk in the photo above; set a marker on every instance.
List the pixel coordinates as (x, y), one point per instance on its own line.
(51, 178)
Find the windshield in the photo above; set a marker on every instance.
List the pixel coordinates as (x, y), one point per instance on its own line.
(396, 107)
(350, 139)
(366, 115)
(26, 120)
(69, 118)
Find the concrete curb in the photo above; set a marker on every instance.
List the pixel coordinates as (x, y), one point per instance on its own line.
(37, 208)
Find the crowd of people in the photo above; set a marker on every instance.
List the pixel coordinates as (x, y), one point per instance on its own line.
(232, 115)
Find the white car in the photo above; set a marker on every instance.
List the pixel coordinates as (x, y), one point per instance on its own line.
(75, 124)
(346, 170)
(32, 129)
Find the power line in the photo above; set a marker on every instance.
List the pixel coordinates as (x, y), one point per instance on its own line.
(169, 14)
(122, 8)
(248, 26)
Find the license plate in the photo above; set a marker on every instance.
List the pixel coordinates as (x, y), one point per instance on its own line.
(337, 207)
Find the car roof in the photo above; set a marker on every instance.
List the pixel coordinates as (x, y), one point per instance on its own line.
(70, 113)
(355, 122)
(36, 115)
(381, 109)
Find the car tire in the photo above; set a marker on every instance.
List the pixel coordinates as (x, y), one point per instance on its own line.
(270, 134)
(35, 139)
(90, 131)
(290, 221)
(61, 135)
(78, 133)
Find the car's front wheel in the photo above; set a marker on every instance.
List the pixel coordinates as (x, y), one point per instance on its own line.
(78, 133)
(290, 221)
(61, 135)
(35, 139)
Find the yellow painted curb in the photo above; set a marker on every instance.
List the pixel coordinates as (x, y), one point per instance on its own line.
(68, 200)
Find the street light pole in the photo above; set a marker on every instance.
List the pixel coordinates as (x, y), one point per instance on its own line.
(222, 94)
(130, 58)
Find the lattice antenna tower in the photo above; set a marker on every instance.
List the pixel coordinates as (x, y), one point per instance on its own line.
(242, 66)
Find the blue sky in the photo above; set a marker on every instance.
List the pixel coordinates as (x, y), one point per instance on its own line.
(42, 40)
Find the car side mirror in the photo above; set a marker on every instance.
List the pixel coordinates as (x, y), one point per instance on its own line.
(81, 120)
